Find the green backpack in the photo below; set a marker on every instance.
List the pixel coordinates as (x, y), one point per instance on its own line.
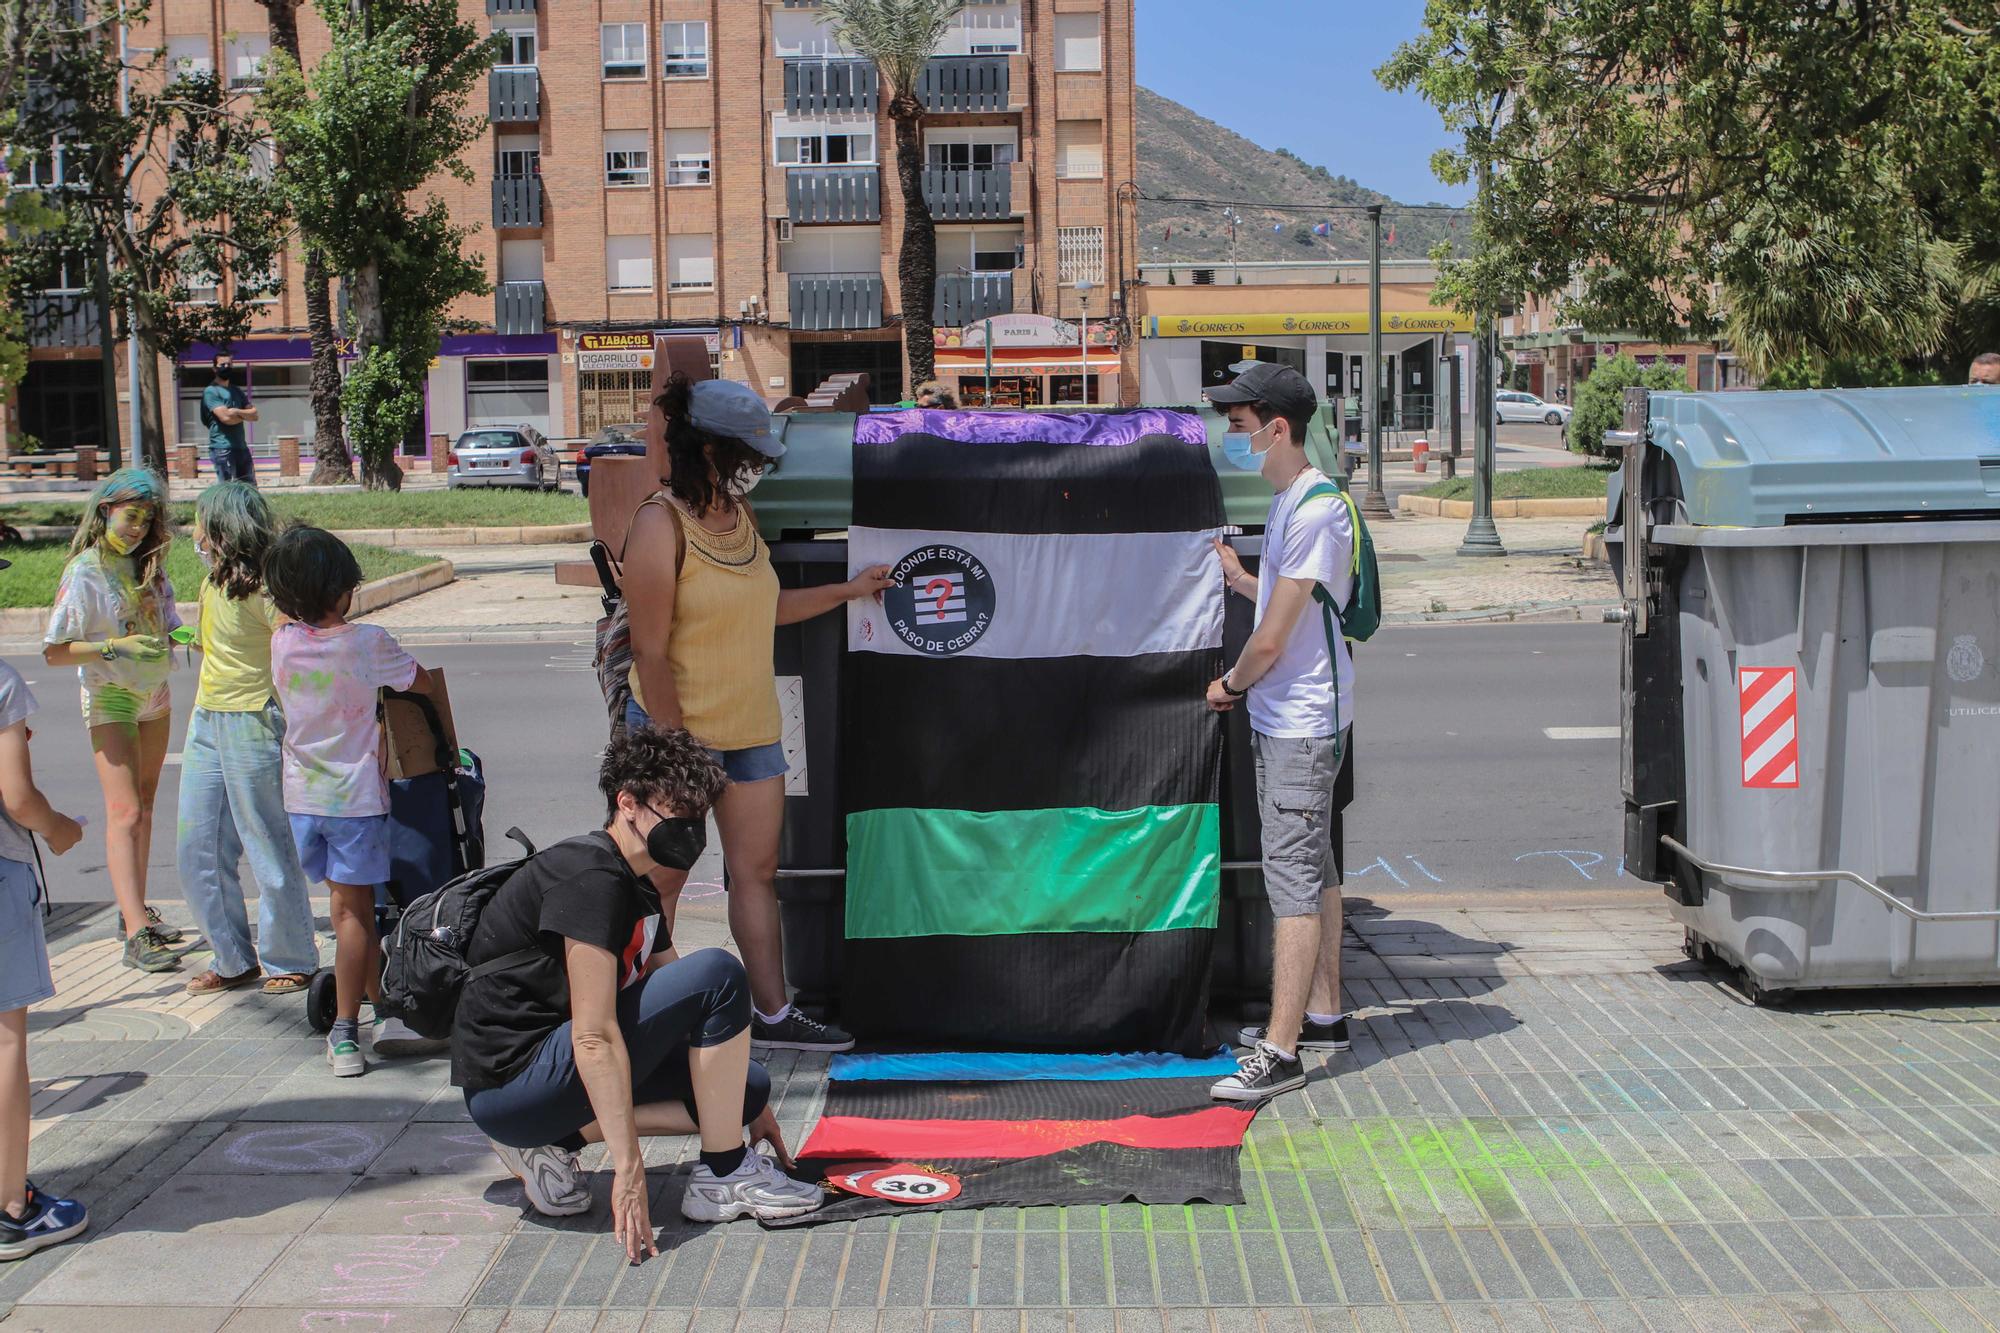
(1362, 615)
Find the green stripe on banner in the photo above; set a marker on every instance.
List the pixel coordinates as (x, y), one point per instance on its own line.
(1020, 872)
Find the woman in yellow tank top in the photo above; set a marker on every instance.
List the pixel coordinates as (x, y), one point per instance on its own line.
(705, 604)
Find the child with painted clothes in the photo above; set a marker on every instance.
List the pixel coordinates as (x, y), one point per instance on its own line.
(232, 802)
(113, 613)
(30, 1219)
(327, 673)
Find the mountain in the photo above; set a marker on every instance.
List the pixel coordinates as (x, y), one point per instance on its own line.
(1184, 155)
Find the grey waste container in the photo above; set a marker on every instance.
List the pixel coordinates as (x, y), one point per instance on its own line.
(1812, 679)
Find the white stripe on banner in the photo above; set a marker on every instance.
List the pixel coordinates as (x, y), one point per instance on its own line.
(1020, 595)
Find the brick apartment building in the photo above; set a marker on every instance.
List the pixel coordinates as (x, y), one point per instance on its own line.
(720, 167)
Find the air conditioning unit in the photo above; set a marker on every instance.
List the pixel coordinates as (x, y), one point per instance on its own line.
(784, 231)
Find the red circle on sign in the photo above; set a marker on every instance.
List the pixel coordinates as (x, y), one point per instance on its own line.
(903, 1182)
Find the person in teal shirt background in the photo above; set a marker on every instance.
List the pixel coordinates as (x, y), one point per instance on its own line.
(224, 409)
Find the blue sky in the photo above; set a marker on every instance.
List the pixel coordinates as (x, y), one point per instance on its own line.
(1300, 74)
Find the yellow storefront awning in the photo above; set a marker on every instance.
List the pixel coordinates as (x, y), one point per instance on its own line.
(1239, 326)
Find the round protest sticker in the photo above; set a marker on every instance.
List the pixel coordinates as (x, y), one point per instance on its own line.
(903, 1182)
(942, 601)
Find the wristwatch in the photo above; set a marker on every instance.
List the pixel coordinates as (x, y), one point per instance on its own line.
(1229, 689)
(108, 652)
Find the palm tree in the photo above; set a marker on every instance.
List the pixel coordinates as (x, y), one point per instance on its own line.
(901, 36)
(331, 462)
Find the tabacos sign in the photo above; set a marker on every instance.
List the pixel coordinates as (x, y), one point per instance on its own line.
(614, 351)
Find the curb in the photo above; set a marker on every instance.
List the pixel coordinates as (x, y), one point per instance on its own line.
(24, 621)
(1528, 613)
(1593, 548)
(1430, 506)
(557, 534)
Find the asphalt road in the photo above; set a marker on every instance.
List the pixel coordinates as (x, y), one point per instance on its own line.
(1462, 791)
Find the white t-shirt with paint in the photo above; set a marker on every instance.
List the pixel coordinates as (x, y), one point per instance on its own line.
(327, 681)
(1296, 697)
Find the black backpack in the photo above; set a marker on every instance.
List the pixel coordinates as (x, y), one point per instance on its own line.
(424, 969)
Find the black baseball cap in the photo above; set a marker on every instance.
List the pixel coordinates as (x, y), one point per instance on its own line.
(1279, 388)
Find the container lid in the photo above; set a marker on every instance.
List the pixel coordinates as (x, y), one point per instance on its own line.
(1767, 458)
(812, 488)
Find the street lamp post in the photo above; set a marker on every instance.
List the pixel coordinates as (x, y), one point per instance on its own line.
(1481, 537)
(1375, 501)
(1083, 342)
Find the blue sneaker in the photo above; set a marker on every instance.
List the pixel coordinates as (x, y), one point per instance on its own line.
(48, 1221)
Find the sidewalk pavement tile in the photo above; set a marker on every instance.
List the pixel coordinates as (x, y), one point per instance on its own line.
(386, 1270)
(138, 1268)
(98, 1318)
(196, 1203)
(264, 1149)
(398, 1319)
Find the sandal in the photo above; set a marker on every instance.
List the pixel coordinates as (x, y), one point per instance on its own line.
(285, 983)
(211, 981)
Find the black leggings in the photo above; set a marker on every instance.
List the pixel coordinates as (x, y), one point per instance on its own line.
(700, 1000)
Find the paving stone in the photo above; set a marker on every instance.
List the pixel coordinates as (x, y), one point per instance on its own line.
(134, 1269)
(390, 1270)
(97, 1318)
(197, 1203)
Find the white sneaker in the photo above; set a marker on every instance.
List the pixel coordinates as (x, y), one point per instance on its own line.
(344, 1058)
(756, 1188)
(549, 1175)
(393, 1037)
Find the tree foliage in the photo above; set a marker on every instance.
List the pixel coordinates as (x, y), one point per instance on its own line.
(1600, 400)
(901, 37)
(169, 176)
(380, 115)
(1812, 181)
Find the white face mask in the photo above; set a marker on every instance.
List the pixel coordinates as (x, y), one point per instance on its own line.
(207, 560)
(742, 485)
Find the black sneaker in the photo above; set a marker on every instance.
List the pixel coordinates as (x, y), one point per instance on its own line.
(796, 1032)
(1312, 1036)
(168, 934)
(148, 952)
(47, 1221)
(1263, 1073)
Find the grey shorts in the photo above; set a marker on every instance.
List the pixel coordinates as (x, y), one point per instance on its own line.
(1295, 780)
(24, 953)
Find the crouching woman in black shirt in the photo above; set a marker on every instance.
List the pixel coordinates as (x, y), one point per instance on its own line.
(603, 1034)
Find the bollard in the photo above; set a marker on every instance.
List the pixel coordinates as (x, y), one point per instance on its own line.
(86, 462)
(288, 455)
(187, 465)
(440, 454)
(1420, 453)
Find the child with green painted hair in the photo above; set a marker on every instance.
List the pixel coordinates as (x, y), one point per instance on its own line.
(113, 613)
(329, 673)
(232, 799)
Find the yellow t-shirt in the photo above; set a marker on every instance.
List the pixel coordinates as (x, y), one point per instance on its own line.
(235, 651)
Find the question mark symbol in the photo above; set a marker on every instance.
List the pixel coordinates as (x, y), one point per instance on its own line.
(941, 588)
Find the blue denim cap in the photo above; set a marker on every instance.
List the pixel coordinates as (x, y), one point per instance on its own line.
(732, 408)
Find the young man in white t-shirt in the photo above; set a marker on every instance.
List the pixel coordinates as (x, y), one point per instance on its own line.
(1299, 689)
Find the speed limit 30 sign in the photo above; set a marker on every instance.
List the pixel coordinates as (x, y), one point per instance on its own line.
(899, 1182)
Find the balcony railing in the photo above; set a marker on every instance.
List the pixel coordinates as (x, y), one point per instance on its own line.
(958, 84)
(969, 196)
(515, 95)
(61, 320)
(833, 194)
(518, 308)
(517, 201)
(830, 87)
(510, 6)
(967, 298)
(835, 300)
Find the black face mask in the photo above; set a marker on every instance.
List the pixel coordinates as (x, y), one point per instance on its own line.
(677, 843)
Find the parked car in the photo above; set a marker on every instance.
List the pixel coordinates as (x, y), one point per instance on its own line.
(628, 440)
(504, 456)
(1509, 405)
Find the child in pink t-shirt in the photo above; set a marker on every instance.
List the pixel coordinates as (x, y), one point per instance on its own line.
(327, 673)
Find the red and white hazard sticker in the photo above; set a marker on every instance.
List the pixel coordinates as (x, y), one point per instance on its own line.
(899, 1182)
(1769, 701)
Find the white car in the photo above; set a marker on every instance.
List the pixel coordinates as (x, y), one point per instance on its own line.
(1509, 405)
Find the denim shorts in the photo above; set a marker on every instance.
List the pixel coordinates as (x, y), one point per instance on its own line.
(345, 851)
(748, 765)
(24, 951)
